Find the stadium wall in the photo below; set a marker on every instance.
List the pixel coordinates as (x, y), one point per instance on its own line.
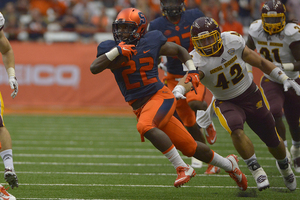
(58, 75)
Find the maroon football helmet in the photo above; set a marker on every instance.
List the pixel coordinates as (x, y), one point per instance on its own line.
(172, 8)
(129, 26)
(206, 36)
(273, 16)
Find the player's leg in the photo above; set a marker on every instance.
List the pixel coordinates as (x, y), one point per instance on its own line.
(6, 151)
(274, 100)
(196, 102)
(232, 118)
(153, 116)
(292, 114)
(189, 147)
(261, 121)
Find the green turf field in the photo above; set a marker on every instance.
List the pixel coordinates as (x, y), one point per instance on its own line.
(79, 157)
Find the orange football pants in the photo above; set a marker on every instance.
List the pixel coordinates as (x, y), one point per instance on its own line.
(186, 114)
(158, 113)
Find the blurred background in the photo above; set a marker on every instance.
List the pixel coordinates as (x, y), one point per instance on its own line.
(55, 41)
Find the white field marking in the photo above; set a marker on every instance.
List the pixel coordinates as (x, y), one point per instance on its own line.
(112, 164)
(106, 156)
(84, 149)
(64, 199)
(133, 174)
(121, 185)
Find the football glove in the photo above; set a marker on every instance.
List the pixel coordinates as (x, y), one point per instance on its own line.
(193, 77)
(179, 92)
(126, 49)
(290, 83)
(13, 85)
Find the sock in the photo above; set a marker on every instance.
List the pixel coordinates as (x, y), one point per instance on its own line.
(7, 158)
(285, 143)
(252, 163)
(296, 144)
(283, 164)
(174, 157)
(221, 162)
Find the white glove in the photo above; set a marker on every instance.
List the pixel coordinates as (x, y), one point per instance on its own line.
(163, 66)
(290, 83)
(203, 118)
(13, 85)
(179, 92)
(279, 65)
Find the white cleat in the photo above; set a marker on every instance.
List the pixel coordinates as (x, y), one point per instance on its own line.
(196, 163)
(4, 195)
(296, 158)
(288, 177)
(11, 178)
(260, 178)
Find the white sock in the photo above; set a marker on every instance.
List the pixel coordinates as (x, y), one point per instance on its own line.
(7, 158)
(296, 144)
(175, 158)
(221, 162)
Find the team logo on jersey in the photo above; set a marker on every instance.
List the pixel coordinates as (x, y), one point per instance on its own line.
(231, 51)
(177, 28)
(223, 60)
(259, 104)
(167, 32)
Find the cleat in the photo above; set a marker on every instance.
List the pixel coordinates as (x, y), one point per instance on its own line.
(296, 158)
(260, 178)
(288, 177)
(11, 178)
(196, 163)
(211, 134)
(184, 175)
(4, 195)
(236, 174)
(212, 169)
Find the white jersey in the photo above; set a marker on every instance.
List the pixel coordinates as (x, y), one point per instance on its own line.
(2, 20)
(225, 76)
(276, 47)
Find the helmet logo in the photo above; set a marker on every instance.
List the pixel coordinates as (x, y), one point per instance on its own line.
(142, 18)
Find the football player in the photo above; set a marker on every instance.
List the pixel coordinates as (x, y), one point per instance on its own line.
(220, 59)
(278, 40)
(133, 59)
(5, 139)
(175, 25)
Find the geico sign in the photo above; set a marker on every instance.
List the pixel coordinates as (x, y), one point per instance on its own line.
(44, 75)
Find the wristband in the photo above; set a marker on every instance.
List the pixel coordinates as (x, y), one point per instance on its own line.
(112, 54)
(278, 74)
(10, 72)
(288, 66)
(190, 65)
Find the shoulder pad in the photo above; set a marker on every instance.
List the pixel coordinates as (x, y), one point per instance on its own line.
(255, 26)
(233, 39)
(291, 29)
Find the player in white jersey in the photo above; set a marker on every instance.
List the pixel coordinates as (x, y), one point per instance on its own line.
(5, 139)
(220, 60)
(279, 42)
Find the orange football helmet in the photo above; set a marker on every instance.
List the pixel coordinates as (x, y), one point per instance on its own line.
(129, 26)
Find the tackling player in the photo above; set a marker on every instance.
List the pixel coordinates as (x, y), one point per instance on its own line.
(279, 41)
(175, 25)
(220, 59)
(133, 59)
(5, 139)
